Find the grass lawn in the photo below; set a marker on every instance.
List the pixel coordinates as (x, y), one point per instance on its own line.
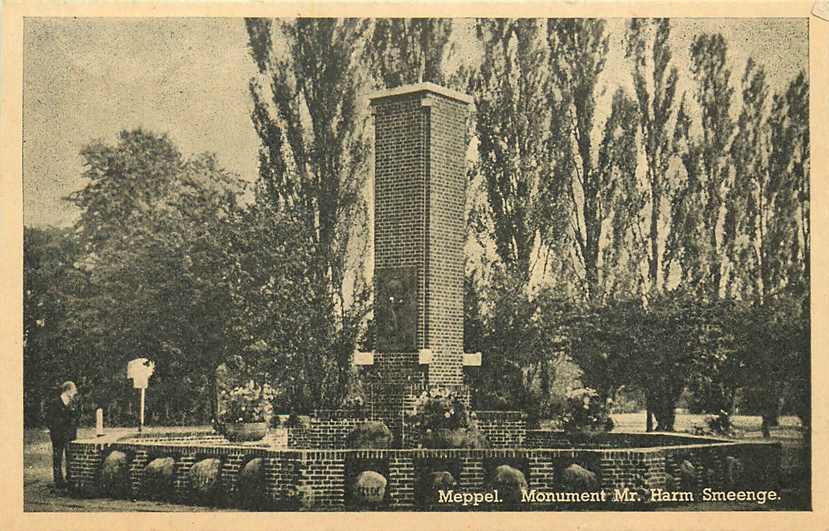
(38, 494)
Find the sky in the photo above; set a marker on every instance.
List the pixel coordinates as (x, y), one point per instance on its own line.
(86, 79)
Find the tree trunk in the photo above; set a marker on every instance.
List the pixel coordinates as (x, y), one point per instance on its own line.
(648, 413)
(214, 394)
(653, 272)
(545, 378)
(666, 419)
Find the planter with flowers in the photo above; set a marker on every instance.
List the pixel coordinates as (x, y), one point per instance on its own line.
(248, 409)
(441, 420)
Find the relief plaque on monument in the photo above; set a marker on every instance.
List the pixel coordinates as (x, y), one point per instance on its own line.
(395, 309)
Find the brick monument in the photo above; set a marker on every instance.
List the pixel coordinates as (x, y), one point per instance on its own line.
(419, 269)
(419, 197)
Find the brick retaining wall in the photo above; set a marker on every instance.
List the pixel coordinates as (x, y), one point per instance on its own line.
(562, 439)
(503, 429)
(321, 479)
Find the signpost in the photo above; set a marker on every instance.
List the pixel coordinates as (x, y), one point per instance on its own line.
(139, 371)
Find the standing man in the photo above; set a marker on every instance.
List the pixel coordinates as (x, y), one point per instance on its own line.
(62, 419)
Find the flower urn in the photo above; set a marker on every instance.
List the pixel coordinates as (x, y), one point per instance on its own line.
(245, 431)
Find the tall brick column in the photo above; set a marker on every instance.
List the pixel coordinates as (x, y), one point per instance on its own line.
(419, 194)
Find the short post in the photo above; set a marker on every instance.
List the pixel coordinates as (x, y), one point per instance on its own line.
(99, 422)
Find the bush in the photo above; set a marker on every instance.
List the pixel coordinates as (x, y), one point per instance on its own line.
(586, 412)
(372, 434)
(553, 407)
(353, 402)
(302, 422)
(720, 424)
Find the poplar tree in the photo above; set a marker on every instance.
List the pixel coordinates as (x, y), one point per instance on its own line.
(510, 125)
(787, 255)
(785, 273)
(685, 245)
(709, 68)
(313, 162)
(751, 199)
(592, 184)
(654, 80)
(409, 50)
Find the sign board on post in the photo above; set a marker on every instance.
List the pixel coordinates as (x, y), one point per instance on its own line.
(139, 371)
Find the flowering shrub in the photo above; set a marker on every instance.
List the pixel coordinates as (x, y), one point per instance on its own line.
(586, 412)
(248, 403)
(444, 422)
(353, 402)
(439, 408)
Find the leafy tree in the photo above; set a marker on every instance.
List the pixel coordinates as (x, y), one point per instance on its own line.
(549, 190)
(765, 237)
(49, 255)
(312, 163)
(654, 347)
(717, 368)
(783, 251)
(675, 332)
(774, 348)
(602, 341)
(473, 320)
(115, 197)
(521, 335)
(508, 88)
(156, 286)
(280, 313)
(509, 339)
(203, 279)
(767, 222)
